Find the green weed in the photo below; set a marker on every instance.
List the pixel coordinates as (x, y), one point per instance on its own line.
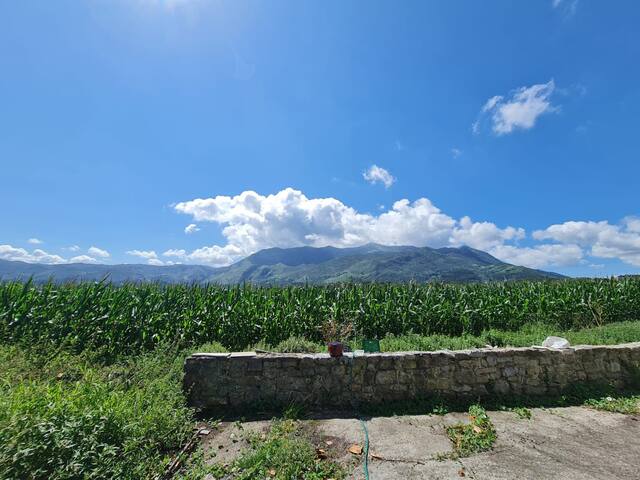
(522, 413)
(619, 404)
(284, 454)
(477, 436)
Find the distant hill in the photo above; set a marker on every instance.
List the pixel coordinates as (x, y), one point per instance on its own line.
(289, 266)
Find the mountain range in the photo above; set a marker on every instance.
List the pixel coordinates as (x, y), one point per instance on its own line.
(300, 265)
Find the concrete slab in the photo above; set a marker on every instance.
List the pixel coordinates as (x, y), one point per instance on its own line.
(570, 443)
(567, 443)
(407, 438)
(574, 443)
(342, 433)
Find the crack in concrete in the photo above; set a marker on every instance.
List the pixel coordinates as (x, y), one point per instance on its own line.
(398, 460)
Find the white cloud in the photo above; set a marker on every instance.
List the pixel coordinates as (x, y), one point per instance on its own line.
(604, 239)
(83, 259)
(632, 224)
(376, 174)
(520, 110)
(491, 103)
(35, 241)
(288, 218)
(146, 254)
(191, 228)
(539, 256)
(150, 256)
(98, 252)
(72, 248)
(175, 253)
(456, 152)
(483, 235)
(216, 255)
(251, 222)
(8, 252)
(582, 233)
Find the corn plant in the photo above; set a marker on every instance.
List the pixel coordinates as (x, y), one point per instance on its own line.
(136, 317)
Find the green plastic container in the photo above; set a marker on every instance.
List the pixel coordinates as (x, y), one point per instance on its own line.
(371, 345)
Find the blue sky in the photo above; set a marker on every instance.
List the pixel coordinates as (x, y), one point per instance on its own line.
(508, 126)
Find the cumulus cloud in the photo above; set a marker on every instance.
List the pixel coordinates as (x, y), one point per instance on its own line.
(632, 224)
(149, 255)
(98, 252)
(83, 259)
(483, 235)
(191, 228)
(35, 241)
(251, 222)
(175, 253)
(375, 174)
(539, 256)
(289, 218)
(146, 254)
(582, 233)
(605, 240)
(519, 110)
(8, 252)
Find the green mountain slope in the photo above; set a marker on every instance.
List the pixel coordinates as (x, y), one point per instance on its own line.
(374, 263)
(290, 266)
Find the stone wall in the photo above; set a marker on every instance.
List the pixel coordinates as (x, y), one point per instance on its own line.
(240, 380)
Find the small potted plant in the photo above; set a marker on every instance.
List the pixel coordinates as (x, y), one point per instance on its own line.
(335, 349)
(333, 333)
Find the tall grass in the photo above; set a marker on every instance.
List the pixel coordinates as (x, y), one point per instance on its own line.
(137, 317)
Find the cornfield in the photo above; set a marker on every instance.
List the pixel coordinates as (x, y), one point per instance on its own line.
(136, 317)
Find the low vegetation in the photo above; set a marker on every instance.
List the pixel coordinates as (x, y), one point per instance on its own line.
(68, 416)
(284, 453)
(478, 435)
(522, 413)
(619, 404)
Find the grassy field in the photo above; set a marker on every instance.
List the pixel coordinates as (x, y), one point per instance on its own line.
(90, 385)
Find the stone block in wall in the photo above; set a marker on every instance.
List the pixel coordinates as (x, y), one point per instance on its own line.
(386, 377)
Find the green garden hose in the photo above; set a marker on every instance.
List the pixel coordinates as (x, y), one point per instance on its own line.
(365, 465)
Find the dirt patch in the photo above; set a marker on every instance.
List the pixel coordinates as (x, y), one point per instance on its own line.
(227, 440)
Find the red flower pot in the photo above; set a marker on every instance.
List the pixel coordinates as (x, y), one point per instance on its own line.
(335, 349)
